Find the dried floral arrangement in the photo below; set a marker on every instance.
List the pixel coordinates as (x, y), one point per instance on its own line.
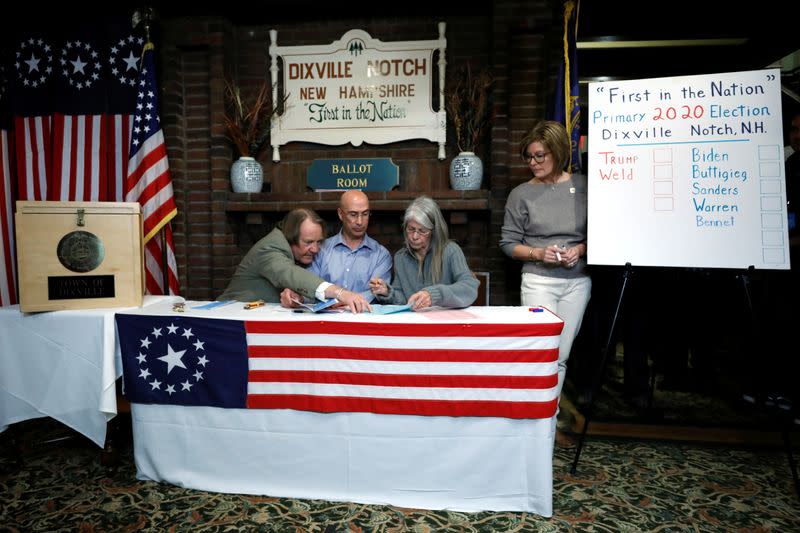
(247, 117)
(467, 105)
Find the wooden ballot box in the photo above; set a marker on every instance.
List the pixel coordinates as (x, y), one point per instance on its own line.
(79, 255)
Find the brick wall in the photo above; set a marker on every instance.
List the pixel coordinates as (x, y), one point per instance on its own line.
(514, 38)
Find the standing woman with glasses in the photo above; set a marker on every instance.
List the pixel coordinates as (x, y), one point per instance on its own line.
(430, 270)
(545, 228)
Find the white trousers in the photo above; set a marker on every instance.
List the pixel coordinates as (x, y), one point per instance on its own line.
(565, 297)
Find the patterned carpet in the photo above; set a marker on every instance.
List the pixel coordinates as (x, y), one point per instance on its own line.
(620, 486)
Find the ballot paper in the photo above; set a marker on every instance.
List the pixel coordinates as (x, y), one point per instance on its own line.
(379, 309)
(317, 307)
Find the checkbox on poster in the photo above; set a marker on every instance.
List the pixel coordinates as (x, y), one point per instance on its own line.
(663, 203)
(771, 221)
(774, 256)
(769, 152)
(770, 203)
(770, 186)
(662, 172)
(772, 238)
(768, 169)
(662, 188)
(662, 155)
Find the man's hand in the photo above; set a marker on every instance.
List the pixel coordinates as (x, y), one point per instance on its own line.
(288, 297)
(355, 302)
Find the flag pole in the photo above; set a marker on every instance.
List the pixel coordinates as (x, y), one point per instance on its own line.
(164, 271)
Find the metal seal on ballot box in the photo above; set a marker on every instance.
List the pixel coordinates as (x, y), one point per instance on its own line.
(80, 251)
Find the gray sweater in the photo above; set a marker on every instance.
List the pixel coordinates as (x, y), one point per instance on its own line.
(456, 288)
(539, 215)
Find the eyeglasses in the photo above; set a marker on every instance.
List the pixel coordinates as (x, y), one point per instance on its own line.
(538, 157)
(421, 232)
(355, 215)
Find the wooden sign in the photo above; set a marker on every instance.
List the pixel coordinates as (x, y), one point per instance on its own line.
(379, 174)
(358, 89)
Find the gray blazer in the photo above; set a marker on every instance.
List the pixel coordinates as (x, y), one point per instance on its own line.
(267, 269)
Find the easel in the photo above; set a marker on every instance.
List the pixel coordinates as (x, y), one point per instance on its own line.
(598, 380)
(785, 421)
(745, 278)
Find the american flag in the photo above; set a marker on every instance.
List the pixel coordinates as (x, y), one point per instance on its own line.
(434, 369)
(149, 182)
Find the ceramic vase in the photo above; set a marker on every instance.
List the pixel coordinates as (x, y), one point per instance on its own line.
(466, 172)
(247, 175)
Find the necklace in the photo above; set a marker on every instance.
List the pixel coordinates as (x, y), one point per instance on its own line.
(552, 184)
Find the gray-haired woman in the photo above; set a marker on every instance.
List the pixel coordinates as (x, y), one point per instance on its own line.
(430, 270)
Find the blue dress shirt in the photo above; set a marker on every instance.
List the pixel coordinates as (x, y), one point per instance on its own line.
(352, 269)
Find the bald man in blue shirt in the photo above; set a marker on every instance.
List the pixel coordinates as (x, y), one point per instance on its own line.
(351, 257)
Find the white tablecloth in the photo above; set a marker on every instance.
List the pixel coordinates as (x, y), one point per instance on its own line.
(60, 364)
(464, 463)
(432, 462)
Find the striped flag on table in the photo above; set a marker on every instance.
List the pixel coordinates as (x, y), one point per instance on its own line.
(447, 369)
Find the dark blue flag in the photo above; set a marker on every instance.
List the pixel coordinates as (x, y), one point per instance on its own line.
(183, 360)
(566, 107)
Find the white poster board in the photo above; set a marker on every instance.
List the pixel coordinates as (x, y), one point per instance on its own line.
(359, 89)
(688, 172)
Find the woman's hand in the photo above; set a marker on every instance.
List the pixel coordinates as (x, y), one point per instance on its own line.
(554, 255)
(570, 256)
(378, 287)
(420, 300)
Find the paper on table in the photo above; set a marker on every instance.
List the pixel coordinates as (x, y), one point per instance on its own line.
(212, 305)
(319, 306)
(388, 309)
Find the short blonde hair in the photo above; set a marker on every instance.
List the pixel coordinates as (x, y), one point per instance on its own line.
(553, 135)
